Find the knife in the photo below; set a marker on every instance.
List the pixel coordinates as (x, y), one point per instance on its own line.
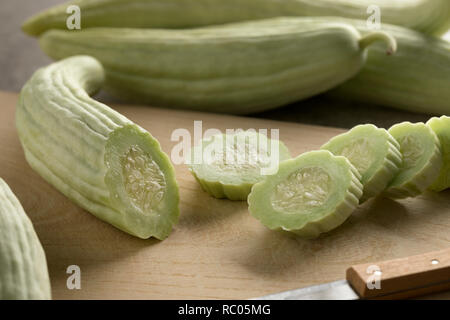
(393, 279)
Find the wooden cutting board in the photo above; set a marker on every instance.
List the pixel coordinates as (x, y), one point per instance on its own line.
(217, 250)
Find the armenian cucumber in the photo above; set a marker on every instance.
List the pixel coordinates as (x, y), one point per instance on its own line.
(311, 194)
(23, 266)
(429, 16)
(441, 126)
(374, 153)
(92, 154)
(422, 159)
(228, 165)
(236, 68)
(415, 79)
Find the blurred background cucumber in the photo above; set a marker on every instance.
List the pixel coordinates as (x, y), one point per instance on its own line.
(414, 81)
(236, 68)
(428, 16)
(416, 78)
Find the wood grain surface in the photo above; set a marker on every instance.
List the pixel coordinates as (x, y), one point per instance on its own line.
(217, 250)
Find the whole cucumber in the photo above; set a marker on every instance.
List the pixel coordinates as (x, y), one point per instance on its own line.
(23, 266)
(235, 68)
(92, 154)
(430, 16)
(416, 78)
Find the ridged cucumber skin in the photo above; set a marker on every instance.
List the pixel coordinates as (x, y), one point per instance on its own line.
(23, 265)
(221, 191)
(415, 79)
(223, 188)
(379, 174)
(237, 68)
(349, 189)
(428, 16)
(441, 126)
(427, 173)
(70, 140)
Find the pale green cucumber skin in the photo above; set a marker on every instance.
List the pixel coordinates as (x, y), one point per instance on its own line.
(349, 192)
(422, 15)
(224, 191)
(379, 174)
(238, 68)
(223, 187)
(23, 265)
(425, 174)
(441, 126)
(399, 81)
(415, 79)
(66, 136)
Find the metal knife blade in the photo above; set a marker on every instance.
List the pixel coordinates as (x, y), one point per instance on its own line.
(399, 278)
(337, 290)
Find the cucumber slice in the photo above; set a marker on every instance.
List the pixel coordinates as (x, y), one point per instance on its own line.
(441, 126)
(373, 151)
(311, 194)
(422, 159)
(228, 165)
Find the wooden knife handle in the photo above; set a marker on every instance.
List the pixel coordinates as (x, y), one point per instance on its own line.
(402, 278)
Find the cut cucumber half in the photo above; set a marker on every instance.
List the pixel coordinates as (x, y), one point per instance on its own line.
(373, 151)
(422, 159)
(92, 154)
(441, 126)
(311, 194)
(228, 165)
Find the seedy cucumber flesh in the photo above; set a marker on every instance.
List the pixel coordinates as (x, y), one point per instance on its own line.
(311, 194)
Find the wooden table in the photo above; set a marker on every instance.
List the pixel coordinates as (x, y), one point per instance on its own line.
(217, 250)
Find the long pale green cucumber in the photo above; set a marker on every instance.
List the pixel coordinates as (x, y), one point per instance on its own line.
(95, 156)
(311, 194)
(415, 79)
(23, 266)
(236, 68)
(441, 126)
(430, 16)
(422, 159)
(228, 165)
(373, 151)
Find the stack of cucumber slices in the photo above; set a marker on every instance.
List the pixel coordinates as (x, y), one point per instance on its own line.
(318, 190)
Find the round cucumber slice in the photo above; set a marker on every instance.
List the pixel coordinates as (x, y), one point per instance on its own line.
(228, 165)
(373, 151)
(311, 194)
(422, 159)
(441, 126)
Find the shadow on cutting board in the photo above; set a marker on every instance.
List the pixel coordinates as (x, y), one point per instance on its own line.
(379, 229)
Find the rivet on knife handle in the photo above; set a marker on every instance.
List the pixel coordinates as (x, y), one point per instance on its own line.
(402, 278)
